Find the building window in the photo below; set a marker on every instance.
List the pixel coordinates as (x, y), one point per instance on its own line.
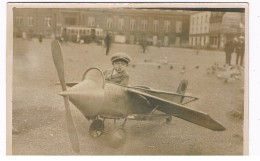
(214, 40)
(47, 21)
(155, 25)
(166, 26)
(98, 33)
(70, 21)
(144, 25)
(132, 24)
(198, 41)
(19, 21)
(121, 24)
(194, 41)
(214, 26)
(91, 21)
(109, 23)
(30, 21)
(178, 26)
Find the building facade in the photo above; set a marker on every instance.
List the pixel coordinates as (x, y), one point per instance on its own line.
(214, 29)
(199, 29)
(224, 26)
(167, 27)
(33, 21)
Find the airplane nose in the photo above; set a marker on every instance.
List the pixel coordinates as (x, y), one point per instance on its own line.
(87, 96)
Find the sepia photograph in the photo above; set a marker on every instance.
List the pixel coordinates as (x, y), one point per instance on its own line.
(128, 78)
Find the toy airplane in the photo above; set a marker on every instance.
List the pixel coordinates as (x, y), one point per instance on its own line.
(99, 100)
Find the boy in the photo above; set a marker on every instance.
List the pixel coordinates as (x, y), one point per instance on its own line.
(118, 74)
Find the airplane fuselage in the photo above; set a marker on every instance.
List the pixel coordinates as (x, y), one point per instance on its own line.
(112, 101)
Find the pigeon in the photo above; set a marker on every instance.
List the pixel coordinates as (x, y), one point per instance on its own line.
(183, 70)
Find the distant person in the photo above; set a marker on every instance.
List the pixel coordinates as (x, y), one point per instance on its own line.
(240, 50)
(159, 43)
(78, 38)
(64, 36)
(40, 38)
(24, 35)
(118, 74)
(107, 43)
(143, 44)
(229, 49)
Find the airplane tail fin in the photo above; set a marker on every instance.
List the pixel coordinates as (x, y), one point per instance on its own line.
(182, 87)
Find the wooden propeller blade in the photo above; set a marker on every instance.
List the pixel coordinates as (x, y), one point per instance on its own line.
(71, 127)
(58, 61)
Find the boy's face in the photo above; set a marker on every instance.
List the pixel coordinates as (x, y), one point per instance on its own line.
(119, 66)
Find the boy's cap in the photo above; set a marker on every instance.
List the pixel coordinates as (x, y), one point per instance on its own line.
(120, 56)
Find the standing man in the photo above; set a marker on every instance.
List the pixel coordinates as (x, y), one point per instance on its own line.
(240, 50)
(78, 38)
(64, 36)
(24, 35)
(40, 38)
(107, 42)
(143, 43)
(229, 49)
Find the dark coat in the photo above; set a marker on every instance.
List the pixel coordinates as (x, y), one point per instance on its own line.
(108, 40)
(119, 78)
(229, 47)
(240, 48)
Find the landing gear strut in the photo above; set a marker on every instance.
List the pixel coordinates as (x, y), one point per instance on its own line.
(117, 136)
(96, 128)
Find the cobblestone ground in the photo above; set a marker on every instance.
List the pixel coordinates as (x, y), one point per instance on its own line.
(39, 126)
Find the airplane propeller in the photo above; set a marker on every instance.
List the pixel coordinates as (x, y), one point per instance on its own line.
(58, 61)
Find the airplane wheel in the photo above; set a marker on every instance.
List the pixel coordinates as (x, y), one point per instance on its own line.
(118, 138)
(96, 128)
(168, 119)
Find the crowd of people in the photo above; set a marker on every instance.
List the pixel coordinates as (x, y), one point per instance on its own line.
(236, 45)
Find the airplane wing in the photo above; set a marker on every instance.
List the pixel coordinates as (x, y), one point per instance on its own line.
(170, 96)
(180, 111)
